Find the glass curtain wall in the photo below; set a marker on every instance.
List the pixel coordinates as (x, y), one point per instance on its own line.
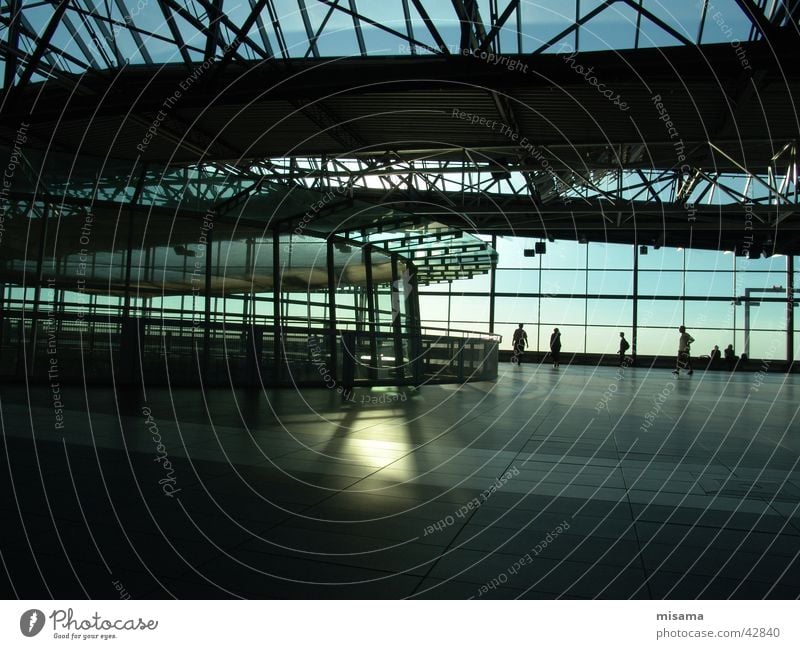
(587, 291)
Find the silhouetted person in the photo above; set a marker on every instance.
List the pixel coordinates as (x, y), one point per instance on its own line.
(555, 347)
(519, 342)
(714, 357)
(624, 346)
(730, 358)
(684, 352)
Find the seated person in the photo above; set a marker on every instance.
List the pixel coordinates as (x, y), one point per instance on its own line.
(730, 357)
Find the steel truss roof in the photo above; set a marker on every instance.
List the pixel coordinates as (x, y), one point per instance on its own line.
(480, 119)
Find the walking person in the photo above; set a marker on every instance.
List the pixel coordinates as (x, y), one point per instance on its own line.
(684, 352)
(624, 346)
(555, 347)
(519, 342)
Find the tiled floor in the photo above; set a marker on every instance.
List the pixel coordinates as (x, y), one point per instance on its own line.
(521, 488)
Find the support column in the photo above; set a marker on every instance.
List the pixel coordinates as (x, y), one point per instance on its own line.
(635, 323)
(789, 310)
(397, 325)
(207, 312)
(330, 258)
(277, 345)
(492, 286)
(371, 316)
(129, 259)
(37, 290)
(414, 325)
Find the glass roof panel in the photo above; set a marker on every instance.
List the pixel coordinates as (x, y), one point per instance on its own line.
(614, 28)
(541, 22)
(101, 34)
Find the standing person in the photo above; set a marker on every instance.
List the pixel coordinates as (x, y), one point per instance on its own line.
(730, 358)
(624, 346)
(519, 343)
(555, 347)
(684, 352)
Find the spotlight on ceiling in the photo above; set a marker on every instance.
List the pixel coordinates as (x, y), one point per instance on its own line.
(529, 252)
(540, 247)
(642, 250)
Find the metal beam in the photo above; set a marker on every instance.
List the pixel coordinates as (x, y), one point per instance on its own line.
(137, 38)
(10, 70)
(43, 44)
(512, 6)
(262, 31)
(412, 42)
(176, 33)
(82, 46)
(757, 18)
(108, 36)
(214, 15)
(357, 26)
(431, 27)
(656, 20)
(307, 25)
(257, 7)
(575, 26)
